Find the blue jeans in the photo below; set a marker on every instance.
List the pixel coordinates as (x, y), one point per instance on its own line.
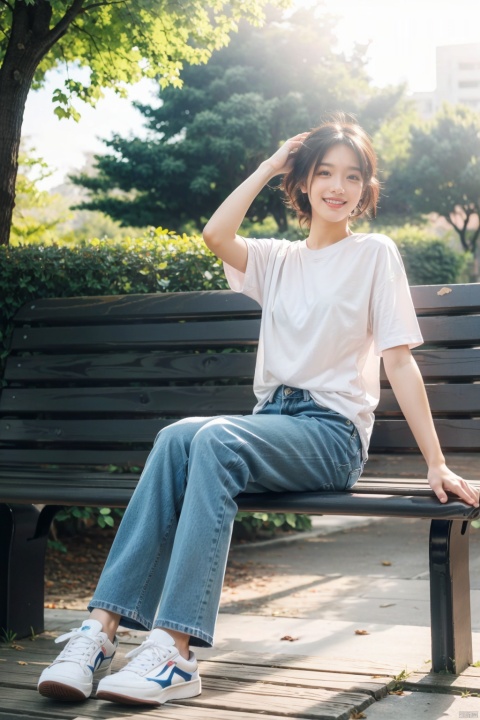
(167, 563)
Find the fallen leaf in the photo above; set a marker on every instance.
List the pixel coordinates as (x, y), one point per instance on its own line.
(357, 715)
(289, 638)
(17, 647)
(444, 291)
(387, 563)
(21, 662)
(362, 632)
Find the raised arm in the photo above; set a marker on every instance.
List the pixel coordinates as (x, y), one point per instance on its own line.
(407, 384)
(220, 233)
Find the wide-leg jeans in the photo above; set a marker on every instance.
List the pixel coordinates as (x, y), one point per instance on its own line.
(167, 563)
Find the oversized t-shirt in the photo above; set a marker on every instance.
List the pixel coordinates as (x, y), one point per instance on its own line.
(327, 315)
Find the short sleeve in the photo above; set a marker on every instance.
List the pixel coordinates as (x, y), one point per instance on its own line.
(393, 318)
(252, 281)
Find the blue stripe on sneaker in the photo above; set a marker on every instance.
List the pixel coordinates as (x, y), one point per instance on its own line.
(168, 681)
(98, 661)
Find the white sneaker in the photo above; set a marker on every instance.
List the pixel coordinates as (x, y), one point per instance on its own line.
(156, 674)
(87, 657)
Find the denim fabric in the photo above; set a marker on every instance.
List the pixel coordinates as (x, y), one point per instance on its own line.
(167, 563)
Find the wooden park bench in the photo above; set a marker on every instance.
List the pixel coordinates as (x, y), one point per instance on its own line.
(90, 381)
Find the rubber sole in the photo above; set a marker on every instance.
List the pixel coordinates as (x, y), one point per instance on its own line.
(58, 691)
(176, 692)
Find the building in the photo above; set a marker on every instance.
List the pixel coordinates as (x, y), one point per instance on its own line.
(458, 79)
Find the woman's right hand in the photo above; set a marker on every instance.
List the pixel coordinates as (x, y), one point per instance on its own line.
(220, 233)
(281, 160)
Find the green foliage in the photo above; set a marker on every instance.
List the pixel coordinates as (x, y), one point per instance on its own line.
(231, 114)
(428, 259)
(73, 517)
(7, 637)
(442, 172)
(37, 213)
(122, 43)
(263, 524)
(72, 520)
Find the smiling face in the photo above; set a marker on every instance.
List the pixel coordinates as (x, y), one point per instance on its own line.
(344, 147)
(335, 185)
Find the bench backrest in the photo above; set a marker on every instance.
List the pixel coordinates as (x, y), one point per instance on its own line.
(90, 381)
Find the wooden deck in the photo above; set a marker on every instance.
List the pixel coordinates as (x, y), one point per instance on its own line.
(236, 686)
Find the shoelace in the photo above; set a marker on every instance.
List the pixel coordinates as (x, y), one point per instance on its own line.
(80, 647)
(146, 656)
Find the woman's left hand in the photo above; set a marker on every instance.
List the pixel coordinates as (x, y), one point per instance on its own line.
(441, 480)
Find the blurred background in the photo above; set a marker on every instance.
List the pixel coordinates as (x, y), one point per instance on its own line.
(166, 155)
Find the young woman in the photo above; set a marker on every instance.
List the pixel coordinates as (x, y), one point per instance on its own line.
(332, 305)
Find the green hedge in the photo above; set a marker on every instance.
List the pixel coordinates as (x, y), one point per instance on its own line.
(428, 259)
(157, 262)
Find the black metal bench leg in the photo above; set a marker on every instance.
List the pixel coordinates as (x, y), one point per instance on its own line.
(23, 541)
(450, 596)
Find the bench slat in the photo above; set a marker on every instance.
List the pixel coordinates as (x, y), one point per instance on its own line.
(456, 435)
(179, 401)
(460, 363)
(453, 364)
(450, 331)
(366, 484)
(447, 331)
(212, 333)
(155, 366)
(432, 299)
(38, 457)
(119, 308)
(117, 490)
(451, 399)
(428, 299)
(60, 432)
(342, 504)
(448, 399)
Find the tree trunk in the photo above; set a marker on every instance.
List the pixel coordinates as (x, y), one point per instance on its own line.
(16, 75)
(30, 40)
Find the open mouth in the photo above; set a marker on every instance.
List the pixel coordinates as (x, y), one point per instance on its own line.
(334, 203)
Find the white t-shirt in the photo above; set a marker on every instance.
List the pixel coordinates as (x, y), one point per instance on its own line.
(326, 317)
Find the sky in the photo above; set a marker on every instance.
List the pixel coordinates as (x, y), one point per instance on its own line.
(403, 35)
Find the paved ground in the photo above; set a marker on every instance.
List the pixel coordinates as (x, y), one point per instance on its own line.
(320, 591)
(347, 590)
(373, 574)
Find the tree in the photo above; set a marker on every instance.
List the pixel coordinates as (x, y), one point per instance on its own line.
(119, 41)
(230, 114)
(442, 172)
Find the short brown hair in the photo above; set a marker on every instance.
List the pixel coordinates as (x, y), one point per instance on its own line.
(340, 129)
